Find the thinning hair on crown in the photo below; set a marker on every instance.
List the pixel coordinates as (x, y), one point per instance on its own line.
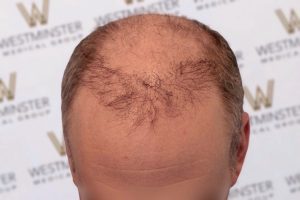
(148, 96)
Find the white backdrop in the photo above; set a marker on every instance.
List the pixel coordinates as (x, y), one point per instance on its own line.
(38, 36)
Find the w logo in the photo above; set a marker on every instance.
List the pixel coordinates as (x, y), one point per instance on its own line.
(36, 15)
(290, 23)
(260, 98)
(59, 146)
(8, 90)
(132, 1)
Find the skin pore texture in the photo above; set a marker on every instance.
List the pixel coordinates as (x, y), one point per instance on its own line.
(177, 152)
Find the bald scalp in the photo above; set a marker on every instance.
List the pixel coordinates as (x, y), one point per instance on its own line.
(149, 66)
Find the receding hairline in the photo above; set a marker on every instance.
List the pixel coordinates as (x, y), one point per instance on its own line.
(83, 55)
(179, 28)
(132, 24)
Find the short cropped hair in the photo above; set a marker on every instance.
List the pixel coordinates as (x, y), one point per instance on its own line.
(125, 94)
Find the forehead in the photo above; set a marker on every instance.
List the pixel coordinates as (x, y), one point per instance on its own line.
(191, 145)
(192, 189)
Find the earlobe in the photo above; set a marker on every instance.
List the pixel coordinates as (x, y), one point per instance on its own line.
(243, 147)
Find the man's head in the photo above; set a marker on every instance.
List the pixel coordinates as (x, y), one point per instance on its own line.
(152, 107)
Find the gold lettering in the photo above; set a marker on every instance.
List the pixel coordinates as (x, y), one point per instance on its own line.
(290, 24)
(8, 91)
(132, 1)
(36, 15)
(59, 146)
(260, 97)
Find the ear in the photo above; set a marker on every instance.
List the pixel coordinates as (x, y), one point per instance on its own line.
(243, 147)
(71, 162)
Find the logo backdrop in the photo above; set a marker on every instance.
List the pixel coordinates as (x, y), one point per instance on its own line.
(37, 38)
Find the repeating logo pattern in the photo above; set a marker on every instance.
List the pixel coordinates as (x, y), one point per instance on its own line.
(38, 37)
